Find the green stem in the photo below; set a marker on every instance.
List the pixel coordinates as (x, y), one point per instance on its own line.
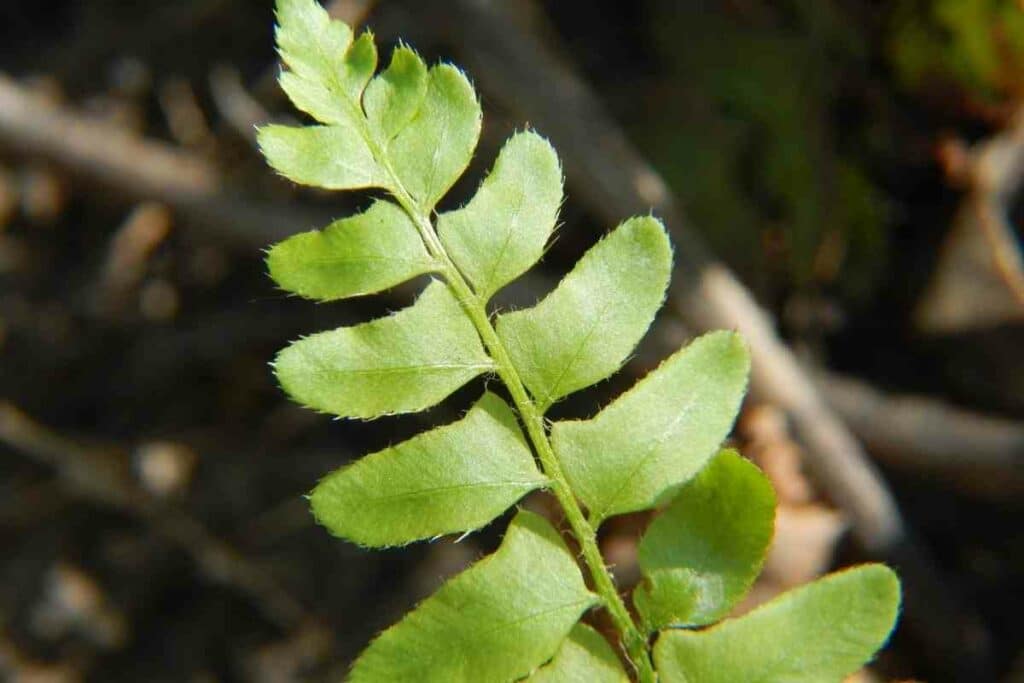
(586, 536)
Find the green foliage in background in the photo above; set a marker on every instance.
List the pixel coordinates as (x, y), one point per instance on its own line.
(974, 47)
(515, 615)
(742, 123)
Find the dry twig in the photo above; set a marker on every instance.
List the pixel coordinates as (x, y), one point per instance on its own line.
(979, 451)
(140, 168)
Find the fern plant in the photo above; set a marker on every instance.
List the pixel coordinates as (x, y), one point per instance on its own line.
(515, 615)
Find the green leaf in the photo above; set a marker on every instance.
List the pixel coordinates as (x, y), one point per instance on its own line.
(657, 435)
(584, 330)
(362, 254)
(432, 151)
(455, 478)
(360, 64)
(327, 70)
(701, 555)
(395, 95)
(332, 157)
(585, 657)
(403, 363)
(497, 621)
(502, 231)
(821, 632)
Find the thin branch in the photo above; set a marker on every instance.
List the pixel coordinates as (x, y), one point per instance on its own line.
(141, 168)
(925, 435)
(234, 103)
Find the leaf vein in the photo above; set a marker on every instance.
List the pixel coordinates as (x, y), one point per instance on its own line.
(457, 487)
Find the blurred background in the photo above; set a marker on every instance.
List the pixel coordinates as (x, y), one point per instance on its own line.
(842, 179)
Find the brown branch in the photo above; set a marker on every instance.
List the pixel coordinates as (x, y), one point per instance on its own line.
(241, 110)
(1001, 240)
(141, 168)
(924, 435)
